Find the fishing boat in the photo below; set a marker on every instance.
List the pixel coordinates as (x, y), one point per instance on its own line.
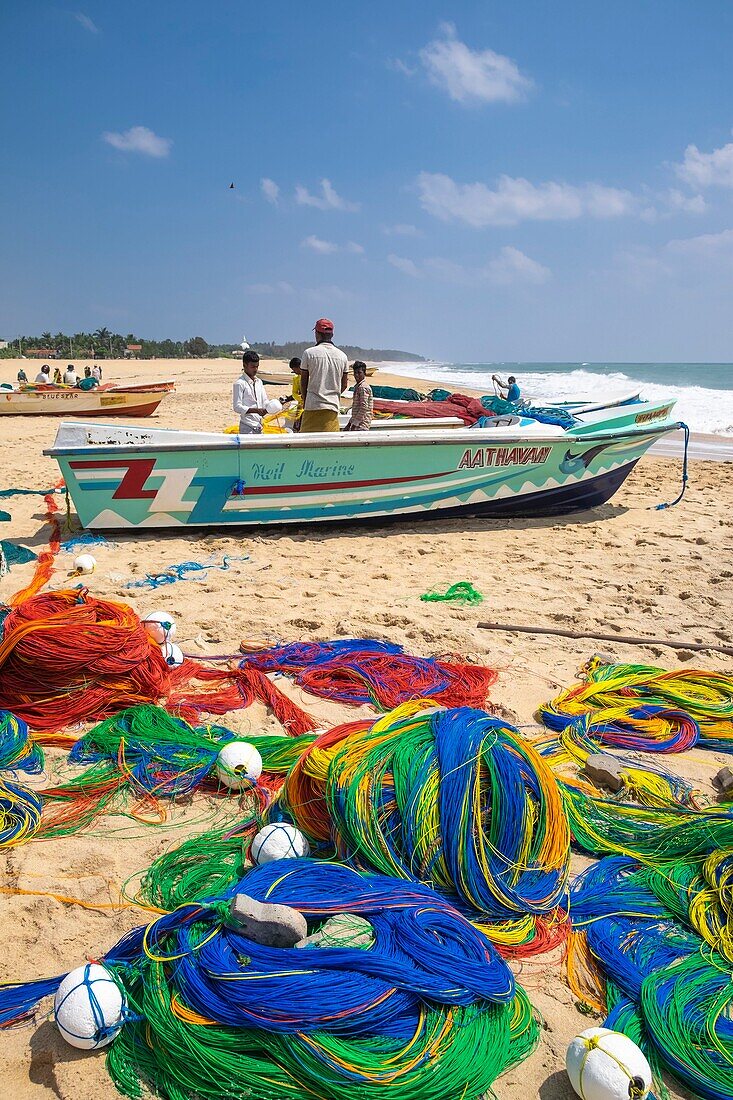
(282, 378)
(579, 422)
(586, 406)
(135, 477)
(136, 400)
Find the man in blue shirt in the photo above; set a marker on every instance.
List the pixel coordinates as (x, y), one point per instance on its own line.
(513, 392)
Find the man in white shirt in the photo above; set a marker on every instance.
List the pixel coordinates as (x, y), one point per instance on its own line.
(43, 378)
(249, 396)
(70, 378)
(324, 375)
(97, 372)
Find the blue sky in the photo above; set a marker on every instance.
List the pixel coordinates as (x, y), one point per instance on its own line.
(473, 181)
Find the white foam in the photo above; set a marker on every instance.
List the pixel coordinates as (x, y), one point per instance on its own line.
(704, 409)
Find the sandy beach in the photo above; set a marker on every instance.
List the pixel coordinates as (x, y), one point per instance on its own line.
(625, 568)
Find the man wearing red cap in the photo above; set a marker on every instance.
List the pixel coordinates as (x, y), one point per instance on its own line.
(324, 375)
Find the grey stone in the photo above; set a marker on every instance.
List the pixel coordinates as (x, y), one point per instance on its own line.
(341, 930)
(271, 925)
(605, 770)
(723, 781)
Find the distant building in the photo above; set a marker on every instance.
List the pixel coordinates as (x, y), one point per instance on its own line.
(133, 350)
(3, 344)
(41, 353)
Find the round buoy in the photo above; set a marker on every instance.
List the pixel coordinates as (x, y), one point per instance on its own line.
(239, 765)
(89, 1007)
(85, 563)
(172, 655)
(273, 407)
(160, 626)
(279, 840)
(606, 1065)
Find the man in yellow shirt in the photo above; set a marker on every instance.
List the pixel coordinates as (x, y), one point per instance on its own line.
(294, 365)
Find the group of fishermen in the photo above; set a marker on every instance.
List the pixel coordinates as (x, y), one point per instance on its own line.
(90, 381)
(320, 377)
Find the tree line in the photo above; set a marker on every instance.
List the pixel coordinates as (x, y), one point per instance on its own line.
(104, 344)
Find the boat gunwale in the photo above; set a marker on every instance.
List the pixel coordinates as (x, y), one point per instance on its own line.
(319, 441)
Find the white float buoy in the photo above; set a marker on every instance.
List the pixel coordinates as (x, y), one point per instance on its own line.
(273, 407)
(89, 1007)
(279, 840)
(239, 765)
(607, 1065)
(160, 626)
(172, 655)
(85, 563)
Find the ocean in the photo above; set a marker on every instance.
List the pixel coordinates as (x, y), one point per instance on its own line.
(704, 391)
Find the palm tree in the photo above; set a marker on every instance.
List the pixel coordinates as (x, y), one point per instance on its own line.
(46, 339)
(102, 335)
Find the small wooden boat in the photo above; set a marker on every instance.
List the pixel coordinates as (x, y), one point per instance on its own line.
(132, 477)
(136, 400)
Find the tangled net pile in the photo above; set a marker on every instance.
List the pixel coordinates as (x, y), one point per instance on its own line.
(138, 757)
(213, 1011)
(359, 671)
(68, 657)
(452, 798)
(642, 707)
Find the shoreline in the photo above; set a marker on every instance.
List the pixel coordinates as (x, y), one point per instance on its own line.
(704, 446)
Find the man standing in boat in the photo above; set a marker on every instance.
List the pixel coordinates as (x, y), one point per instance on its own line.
(249, 396)
(324, 375)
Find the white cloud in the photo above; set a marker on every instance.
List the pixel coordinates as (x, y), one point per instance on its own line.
(688, 204)
(707, 169)
(479, 76)
(707, 245)
(515, 199)
(680, 258)
(329, 198)
(510, 266)
(87, 23)
(401, 67)
(270, 190)
(658, 205)
(514, 266)
(401, 230)
(138, 139)
(318, 245)
(407, 267)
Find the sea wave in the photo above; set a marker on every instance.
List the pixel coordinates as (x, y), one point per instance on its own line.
(705, 409)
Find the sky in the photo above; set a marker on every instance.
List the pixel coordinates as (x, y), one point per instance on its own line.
(476, 182)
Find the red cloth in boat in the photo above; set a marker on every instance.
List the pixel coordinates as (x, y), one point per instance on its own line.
(469, 409)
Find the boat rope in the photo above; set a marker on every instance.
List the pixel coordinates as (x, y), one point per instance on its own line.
(181, 571)
(685, 476)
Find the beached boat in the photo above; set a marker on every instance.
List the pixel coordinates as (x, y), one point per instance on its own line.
(602, 418)
(129, 477)
(285, 378)
(137, 400)
(586, 406)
